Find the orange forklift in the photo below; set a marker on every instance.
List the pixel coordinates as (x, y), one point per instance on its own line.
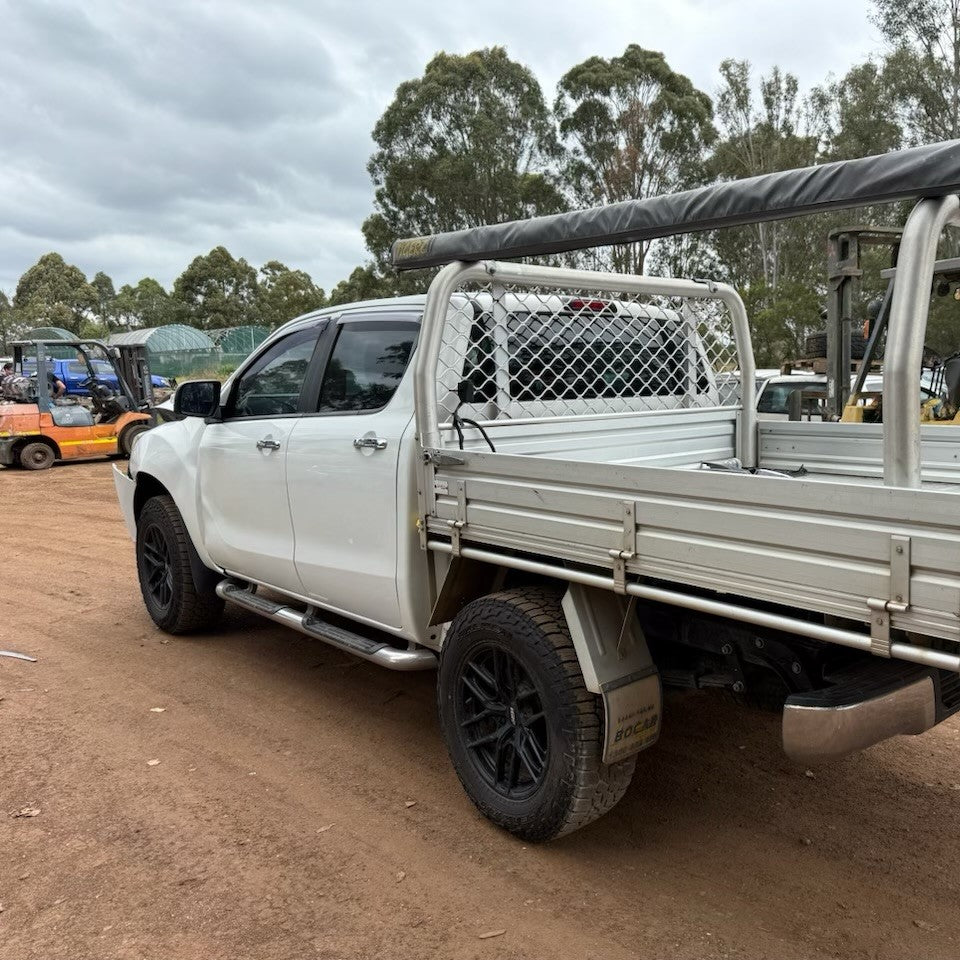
(37, 428)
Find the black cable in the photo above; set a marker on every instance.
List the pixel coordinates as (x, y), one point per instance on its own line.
(458, 422)
(483, 433)
(458, 427)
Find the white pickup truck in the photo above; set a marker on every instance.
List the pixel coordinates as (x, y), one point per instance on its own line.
(529, 479)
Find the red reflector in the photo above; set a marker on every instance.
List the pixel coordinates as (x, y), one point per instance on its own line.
(596, 305)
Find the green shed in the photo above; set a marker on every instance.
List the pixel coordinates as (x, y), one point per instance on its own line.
(53, 333)
(174, 350)
(237, 343)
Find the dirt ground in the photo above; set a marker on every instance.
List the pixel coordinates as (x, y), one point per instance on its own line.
(290, 802)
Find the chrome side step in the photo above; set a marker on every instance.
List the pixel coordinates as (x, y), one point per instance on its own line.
(311, 625)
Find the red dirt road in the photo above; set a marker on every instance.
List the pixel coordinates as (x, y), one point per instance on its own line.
(276, 823)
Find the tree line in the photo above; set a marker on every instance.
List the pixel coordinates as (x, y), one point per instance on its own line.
(474, 140)
(214, 291)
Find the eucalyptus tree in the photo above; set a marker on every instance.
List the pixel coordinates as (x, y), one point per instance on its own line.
(633, 128)
(470, 142)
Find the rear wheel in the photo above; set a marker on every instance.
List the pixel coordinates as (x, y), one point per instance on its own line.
(163, 567)
(523, 732)
(37, 456)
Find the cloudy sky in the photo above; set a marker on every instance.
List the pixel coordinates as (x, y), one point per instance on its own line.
(135, 135)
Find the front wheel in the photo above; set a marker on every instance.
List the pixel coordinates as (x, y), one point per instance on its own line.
(524, 733)
(128, 436)
(163, 567)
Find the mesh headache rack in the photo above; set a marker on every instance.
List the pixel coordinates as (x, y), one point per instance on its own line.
(544, 352)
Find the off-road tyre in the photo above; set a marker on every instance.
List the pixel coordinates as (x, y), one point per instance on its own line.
(815, 347)
(163, 567)
(128, 435)
(575, 788)
(37, 456)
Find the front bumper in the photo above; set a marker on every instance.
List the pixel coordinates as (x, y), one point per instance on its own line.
(126, 488)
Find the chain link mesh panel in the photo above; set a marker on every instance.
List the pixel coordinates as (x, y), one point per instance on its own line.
(511, 352)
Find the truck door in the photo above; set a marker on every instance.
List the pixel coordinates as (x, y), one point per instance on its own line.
(244, 507)
(342, 469)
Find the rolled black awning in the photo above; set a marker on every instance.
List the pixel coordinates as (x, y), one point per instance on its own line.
(929, 171)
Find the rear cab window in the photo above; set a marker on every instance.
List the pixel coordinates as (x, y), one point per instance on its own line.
(560, 356)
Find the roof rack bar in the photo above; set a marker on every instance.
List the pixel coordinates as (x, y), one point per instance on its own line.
(927, 171)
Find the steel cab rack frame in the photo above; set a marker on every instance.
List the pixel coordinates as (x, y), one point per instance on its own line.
(481, 505)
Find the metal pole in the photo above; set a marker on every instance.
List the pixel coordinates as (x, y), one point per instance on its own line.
(904, 353)
(501, 347)
(428, 348)
(879, 325)
(44, 400)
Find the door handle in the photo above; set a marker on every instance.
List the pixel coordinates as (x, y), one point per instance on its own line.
(268, 444)
(373, 443)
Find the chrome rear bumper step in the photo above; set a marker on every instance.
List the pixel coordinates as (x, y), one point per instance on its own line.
(311, 625)
(873, 702)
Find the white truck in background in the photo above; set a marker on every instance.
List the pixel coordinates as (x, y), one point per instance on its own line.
(530, 479)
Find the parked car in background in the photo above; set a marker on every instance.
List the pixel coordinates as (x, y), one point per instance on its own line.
(74, 373)
(773, 398)
(763, 374)
(728, 383)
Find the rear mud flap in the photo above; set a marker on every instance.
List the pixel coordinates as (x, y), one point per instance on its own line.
(616, 665)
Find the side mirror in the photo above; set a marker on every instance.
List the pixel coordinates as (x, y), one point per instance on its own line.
(197, 398)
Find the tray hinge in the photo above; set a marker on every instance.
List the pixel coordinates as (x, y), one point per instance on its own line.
(441, 459)
(899, 601)
(457, 525)
(627, 549)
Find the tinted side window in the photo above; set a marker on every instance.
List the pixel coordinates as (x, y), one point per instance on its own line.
(366, 365)
(272, 385)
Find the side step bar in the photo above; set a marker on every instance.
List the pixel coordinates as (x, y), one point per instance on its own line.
(313, 626)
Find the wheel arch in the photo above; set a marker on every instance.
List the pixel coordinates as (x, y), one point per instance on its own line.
(148, 486)
(36, 438)
(467, 580)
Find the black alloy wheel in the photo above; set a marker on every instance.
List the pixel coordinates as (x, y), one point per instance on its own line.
(158, 572)
(501, 713)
